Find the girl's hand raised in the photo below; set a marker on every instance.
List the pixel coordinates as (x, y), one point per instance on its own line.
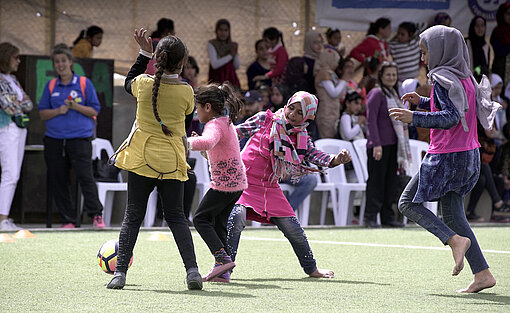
(412, 97)
(341, 158)
(144, 42)
(403, 115)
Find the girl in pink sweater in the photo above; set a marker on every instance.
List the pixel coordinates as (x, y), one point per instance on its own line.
(218, 107)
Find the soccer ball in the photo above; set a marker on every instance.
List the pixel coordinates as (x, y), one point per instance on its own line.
(107, 256)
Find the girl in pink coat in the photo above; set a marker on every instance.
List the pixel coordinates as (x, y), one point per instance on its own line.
(218, 107)
(278, 149)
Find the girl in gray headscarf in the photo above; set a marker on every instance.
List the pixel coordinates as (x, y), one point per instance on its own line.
(452, 164)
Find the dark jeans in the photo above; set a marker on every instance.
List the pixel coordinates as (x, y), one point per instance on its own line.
(211, 217)
(381, 184)
(171, 193)
(62, 155)
(290, 228)
(486, 180)
(455, 222)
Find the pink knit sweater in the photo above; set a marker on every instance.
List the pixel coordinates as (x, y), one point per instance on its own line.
(219, 139)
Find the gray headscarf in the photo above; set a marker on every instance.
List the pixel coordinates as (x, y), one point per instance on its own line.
(448, 64)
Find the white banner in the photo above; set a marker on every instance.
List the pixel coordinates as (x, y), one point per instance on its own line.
(356, 15)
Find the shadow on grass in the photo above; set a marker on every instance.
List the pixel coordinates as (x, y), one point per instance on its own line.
(497, 299)
(309, 280)
(203, 293)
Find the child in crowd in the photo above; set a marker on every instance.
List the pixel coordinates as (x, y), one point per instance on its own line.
(154, 154)
(279, 142)
(190, 72)
(334, 41)
(88, 39)
(260, 67)
(164, 28)
(405, 50)
(345, 71)
(223, 56)
(280, 93)
(217, 107)
(265, 91)
(329, 90)
(351, 126)
(451, 166)
(375, 44)
(279, 57)
(252, 105)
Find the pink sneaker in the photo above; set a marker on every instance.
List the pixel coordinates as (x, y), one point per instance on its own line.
(68, 225)
(223, 278)
(98, 222)
(218, 270)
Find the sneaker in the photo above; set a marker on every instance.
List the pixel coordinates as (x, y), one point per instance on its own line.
(118, 281)
(68, 225)
(503, 209)
(98, 222)
(193, 279)
(8, 224)
(223, 278)
(218, 269)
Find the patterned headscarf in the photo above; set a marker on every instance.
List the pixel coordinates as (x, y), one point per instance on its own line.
(288, 157)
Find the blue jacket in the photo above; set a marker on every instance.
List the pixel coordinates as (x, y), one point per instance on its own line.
(73, 124)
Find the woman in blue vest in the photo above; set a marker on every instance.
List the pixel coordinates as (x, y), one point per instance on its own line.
(69, 106)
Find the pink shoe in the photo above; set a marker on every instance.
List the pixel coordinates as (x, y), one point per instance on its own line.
(218, 270)
(98, 222)
(68, 225)
(223, 278)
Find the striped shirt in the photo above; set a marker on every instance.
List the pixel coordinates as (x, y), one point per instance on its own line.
(407, 57)
(255, 123)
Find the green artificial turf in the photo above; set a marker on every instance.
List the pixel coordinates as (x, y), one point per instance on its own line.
(58, 272)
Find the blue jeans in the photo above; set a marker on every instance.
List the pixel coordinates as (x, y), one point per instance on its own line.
(455, 222)
(289, 226)
(302, 189)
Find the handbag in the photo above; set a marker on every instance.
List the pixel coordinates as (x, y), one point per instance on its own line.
(21, 120)
(104, 172)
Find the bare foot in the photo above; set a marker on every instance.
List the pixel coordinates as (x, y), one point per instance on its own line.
(483, 280)
(459, 246)
(318, 273)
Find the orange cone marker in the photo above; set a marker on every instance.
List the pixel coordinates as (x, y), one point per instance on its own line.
(158, 237)
(6, 238)
(23, 233)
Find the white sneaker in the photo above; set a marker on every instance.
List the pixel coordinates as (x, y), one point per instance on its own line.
(8, 224)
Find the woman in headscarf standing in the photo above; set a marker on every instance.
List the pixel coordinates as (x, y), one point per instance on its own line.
(223, 56)
(500, 41)
(329, 90)
(451, 166)
(479, 50)
(312, 48)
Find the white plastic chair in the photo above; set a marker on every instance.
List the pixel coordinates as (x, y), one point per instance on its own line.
(105, 189)
(338, 177)
(303, 212)
(418, 148)
(202, 172)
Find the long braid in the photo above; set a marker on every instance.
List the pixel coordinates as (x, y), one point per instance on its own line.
(160, 61)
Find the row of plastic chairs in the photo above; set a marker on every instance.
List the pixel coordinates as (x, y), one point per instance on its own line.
(336, 187)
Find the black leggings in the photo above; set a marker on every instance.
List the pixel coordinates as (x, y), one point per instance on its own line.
(211, 217)
(485, 181)
(171, 193)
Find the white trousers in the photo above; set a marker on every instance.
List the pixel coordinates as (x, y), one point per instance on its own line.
(12, 149)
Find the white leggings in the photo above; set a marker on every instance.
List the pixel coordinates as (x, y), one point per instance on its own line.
(12, 148)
